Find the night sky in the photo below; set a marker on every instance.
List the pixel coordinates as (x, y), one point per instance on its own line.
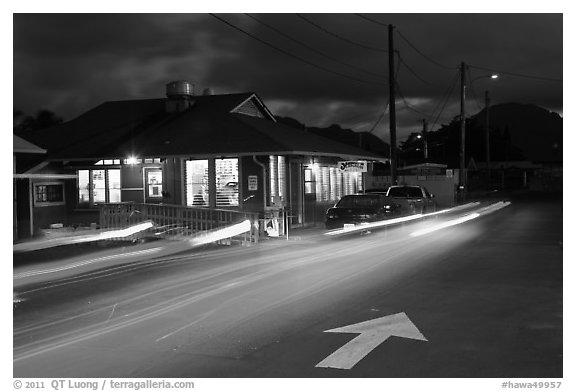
(320, 69)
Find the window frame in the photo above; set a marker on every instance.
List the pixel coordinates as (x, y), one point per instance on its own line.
(48, 202)
(91, 203)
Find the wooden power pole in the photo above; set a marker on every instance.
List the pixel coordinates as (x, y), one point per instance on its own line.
(391, 81)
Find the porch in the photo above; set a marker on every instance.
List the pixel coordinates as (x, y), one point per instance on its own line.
(176, 222)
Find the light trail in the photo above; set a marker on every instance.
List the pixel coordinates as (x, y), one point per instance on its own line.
(481, 212)
(74, 239)
(398, 220)
(214, 236)
(445, 224)
(85, 263)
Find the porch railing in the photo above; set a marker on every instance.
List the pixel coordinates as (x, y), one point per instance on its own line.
(177, 222)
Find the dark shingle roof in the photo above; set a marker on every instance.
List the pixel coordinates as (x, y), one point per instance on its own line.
(145, 129)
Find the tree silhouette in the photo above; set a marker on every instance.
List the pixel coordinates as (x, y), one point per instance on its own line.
(25, 124)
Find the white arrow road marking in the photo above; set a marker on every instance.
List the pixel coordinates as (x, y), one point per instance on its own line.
(372, 333)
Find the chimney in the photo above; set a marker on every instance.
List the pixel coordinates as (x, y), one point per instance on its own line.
(180, 96)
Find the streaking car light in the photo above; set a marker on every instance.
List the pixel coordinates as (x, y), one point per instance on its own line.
(483, 211)
(223, 233)
(376, 224)
(83, 263)
(398, 220)
(74, 239)
(445, 224)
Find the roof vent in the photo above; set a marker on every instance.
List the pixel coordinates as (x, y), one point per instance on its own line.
(176, 89)
(179, 95)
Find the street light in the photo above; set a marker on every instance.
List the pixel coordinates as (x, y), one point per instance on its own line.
(463, 177)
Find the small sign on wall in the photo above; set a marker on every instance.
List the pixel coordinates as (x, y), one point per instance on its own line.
(353, 166)
(252, 182)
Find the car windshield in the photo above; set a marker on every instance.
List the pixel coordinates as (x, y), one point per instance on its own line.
(404, 192)
(358, 201)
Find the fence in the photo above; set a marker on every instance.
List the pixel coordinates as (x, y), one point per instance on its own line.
(177, 222)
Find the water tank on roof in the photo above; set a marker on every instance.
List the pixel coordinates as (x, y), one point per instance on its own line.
(180, 88)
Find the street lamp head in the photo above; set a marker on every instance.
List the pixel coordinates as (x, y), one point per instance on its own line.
(494, 76)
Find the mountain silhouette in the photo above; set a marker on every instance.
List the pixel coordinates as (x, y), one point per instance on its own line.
(535, 131)
(367, 141)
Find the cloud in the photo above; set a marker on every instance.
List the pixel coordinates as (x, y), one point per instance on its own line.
(320, 73)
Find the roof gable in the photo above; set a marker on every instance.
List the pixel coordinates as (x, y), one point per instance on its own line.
(234, 124)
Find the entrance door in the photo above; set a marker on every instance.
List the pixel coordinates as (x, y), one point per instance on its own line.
(153, 185)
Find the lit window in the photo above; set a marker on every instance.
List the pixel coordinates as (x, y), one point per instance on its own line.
(277, 170)
(309, 185)
(227, 182)
(197, 183)
(98, 186)
(154, 183)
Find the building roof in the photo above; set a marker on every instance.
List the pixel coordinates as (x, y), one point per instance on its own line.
(22, 146)
(214, 126)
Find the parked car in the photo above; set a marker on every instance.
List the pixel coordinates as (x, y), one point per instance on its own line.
(360, 208)
(412, 199)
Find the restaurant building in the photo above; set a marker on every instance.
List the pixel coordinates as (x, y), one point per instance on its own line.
(218, 152)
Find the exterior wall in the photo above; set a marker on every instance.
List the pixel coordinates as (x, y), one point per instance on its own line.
(67, 214)
(252, 174)
(132, 181)
(22, 208)
(173, 181)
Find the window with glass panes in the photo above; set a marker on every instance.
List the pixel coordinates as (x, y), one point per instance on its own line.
(99, 186)
(226, 182)
(197, 193)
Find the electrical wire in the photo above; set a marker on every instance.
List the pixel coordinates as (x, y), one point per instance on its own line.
(472, 91)
(422, 54)
(407, 105)
(372, 20)
(313, 49)
(387, 107)
(447, 95)
(287, 53)
(340, 37)
(413, 72)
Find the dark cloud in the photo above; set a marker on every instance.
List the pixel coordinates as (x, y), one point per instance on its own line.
(320, 75)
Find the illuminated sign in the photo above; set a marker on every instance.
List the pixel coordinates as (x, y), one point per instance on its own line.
(353, 166)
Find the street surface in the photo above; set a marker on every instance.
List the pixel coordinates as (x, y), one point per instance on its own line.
(482, 298)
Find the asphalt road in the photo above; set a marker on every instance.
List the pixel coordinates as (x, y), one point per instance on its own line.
(485, 296)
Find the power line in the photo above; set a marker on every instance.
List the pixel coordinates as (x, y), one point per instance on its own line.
(414, 72)
(517, 74)
(472, 91)
(445, 98)
(313, 49)
(407, 105)
(293, 55)
(422, 54)
(339, 36)
(372, 20)
(387, 103)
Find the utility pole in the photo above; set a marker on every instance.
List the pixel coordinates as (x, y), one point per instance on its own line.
(487, 124)
(462, 176)
(425, 139)
(391, 81)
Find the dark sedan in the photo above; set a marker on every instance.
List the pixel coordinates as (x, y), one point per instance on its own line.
(359, 208)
